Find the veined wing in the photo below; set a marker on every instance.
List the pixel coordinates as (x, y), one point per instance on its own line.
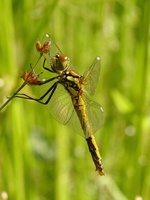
(94, 113)
(60, 105)
(54, 49)
(91, 76)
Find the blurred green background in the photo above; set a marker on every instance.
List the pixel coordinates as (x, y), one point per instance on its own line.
(41, 159)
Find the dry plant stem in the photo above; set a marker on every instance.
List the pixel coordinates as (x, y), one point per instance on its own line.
(10, 98)
(20, 88)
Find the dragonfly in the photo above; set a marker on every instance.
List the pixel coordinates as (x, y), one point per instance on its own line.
(68, 96)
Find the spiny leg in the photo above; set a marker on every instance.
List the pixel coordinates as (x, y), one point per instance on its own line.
(51, 90)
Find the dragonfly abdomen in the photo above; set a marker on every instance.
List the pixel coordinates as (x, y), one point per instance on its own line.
(93, 148)
(88, 132)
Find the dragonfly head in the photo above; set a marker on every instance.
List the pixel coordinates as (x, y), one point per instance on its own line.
(59, 63)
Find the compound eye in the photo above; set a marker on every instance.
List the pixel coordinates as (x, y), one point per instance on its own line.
(59, 63)
(62, 62)
(62, 58)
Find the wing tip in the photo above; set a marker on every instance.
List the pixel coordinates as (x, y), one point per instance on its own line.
(98, 58)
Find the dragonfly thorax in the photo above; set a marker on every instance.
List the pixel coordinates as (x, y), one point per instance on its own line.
(71, 81)
(59, 63)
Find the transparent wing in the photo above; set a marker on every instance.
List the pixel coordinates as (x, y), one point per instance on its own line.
(76, 124)
(95, 115)
(60, 105)
(91, 76)
(54, 49)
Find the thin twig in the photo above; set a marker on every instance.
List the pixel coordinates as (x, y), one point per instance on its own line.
(20, 88)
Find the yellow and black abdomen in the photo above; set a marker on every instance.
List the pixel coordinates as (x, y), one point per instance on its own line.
(85, 124)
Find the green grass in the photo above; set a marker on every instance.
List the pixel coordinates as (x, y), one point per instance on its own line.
(42, 159)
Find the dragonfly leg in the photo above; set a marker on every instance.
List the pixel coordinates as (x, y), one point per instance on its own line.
(51, 90)
(46, 67)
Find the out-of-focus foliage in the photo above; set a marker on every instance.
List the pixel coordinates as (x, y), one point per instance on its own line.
(42, 159)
